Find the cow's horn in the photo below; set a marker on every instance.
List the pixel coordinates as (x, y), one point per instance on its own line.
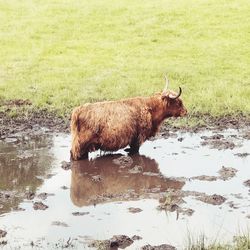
(178, 94)
(167, 83)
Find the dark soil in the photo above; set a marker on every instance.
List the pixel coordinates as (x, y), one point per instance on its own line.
(2, 233)
(160, 247)
(214, 199)
(205, 178)
(66, 165)
(227, 173)
(3, 243)
(59, 223)
(136, 237)
(116, 242)
(242, 155)
(224, 174)
(175, 198)
(218, 142)
(44, 196)
(134, 210)
(173, 203)
(247, 183)
(30, 195)
(27, 118)
(80, 213)
(39, 206)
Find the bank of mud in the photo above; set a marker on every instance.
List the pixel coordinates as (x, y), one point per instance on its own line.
(20, 116)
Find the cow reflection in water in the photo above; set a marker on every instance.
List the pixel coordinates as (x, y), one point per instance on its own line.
(117, 178)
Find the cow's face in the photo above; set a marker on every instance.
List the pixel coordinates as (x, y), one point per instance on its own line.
(173, 104)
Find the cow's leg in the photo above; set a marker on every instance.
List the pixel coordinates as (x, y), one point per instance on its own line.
(134, 147)
(84, 155)
(75, 151)
(80, 145)
(79, 156)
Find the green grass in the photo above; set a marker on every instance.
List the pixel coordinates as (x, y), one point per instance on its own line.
(240, 242)
(61, 53)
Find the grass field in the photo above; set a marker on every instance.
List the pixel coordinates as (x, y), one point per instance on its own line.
(61, 53)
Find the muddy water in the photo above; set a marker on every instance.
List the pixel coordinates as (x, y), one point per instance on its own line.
(120, 194)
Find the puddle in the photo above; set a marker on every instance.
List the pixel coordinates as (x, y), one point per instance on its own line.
(47, 203)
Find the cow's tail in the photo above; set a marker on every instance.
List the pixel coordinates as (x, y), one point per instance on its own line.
(74, 126)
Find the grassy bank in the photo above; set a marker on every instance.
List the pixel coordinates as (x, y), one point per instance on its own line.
(60, 54)
(240, 242)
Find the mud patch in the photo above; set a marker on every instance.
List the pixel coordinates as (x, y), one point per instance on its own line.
(17, 102)
(214, 199)
(39, 206)
(224, 174)
(80, 213)
(59, 223)
(66, 165)
(242, 155)
(160, 247)
(2, 233)
(44, 195)
(3, 242)
(134, 210)
(117, 241)
(217, 142)
(247, 183)
(173, 201)
(205, 178)
(28, 119)
(136, 237)
(232, 205)
(30, 195)
(227, 173)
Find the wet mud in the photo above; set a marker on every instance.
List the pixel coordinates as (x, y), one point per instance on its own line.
(134, 210)
(218, 142)
(59, 223)
(2, 233)
(214, 199)
(116, 242)
(160, 247)
(39, 206)
(247, 183)
(30, 120)
(227, 173)
(175, 180)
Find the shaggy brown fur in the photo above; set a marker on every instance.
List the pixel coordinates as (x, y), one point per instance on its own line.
(113, 125)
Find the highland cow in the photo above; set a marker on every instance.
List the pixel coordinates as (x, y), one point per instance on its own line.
(112, 125)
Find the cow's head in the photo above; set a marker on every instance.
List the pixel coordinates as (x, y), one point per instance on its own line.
(172, 101)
